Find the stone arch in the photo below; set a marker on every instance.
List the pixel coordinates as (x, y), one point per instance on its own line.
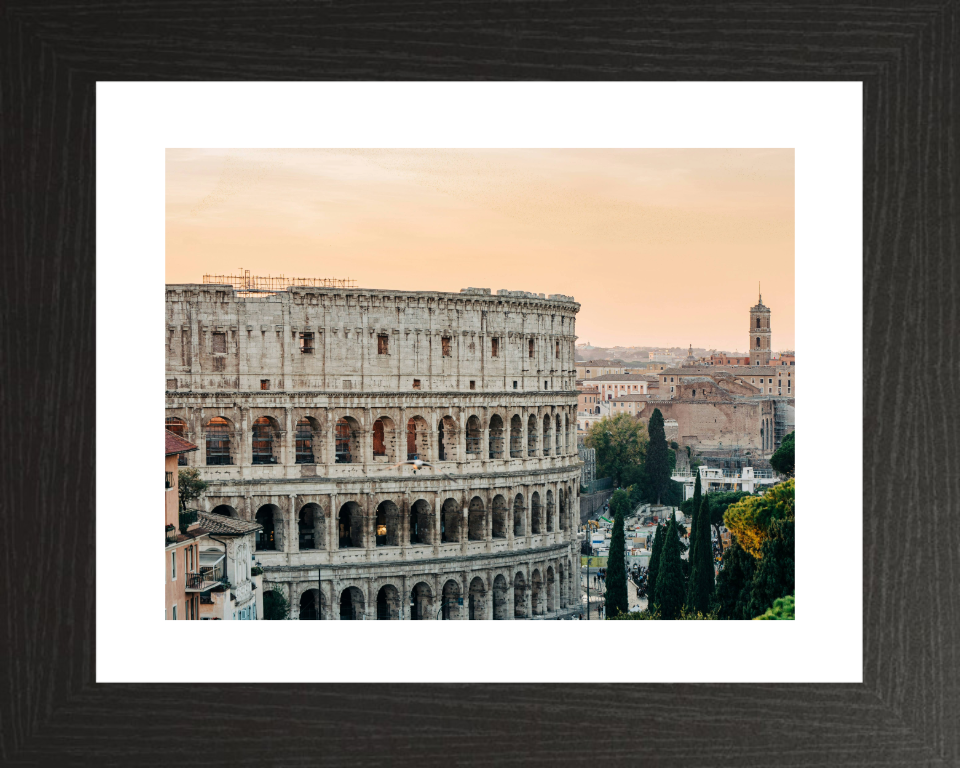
(265, 437)
(224, 509)
(519, 596)
(450, 522)
(351, 604)
(448, 443)
(519, 516)
(498, 521)
(308, 441)
(562, 509)
(385, 440)
(496, 437)
(549, 512)
(346, 440)
(350, 525)
(501, 602)
(270, 537)
(421, 522)
(388, 524)
(313, 606)
(388, 603)
(536, 592)
(516, 437)
(536, 514)
(473, 438)
(532, 435)
(563, 586)
(421, 602)
(478, 600)
(476, 520)
(311, 525)
(558, 436)
(271, 593)
(546, 434)
(550, 589)
(219, 444)
(450, 600)
(418, 438)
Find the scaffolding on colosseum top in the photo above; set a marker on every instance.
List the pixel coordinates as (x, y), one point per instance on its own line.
(248, 283)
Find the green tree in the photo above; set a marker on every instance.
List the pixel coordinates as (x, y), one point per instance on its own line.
(750, 519)
(276, 607)
(783, 610)
(700, 584)
(654, 567)
(191, 487)
(734, 581)
(670, 587)
(615, 596)
(657, 463)
(775, 573)
(620, 502)
(719, 501)
(620, 442)
(782, 459)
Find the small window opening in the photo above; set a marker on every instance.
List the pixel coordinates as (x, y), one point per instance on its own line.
(306, 343)
(264, 384)
(416, 383)
(494, 347)
(219, 343)
(557, 350)
(514, 385)
(473, 385)
(445, 346)
(382, 344)
(530, 348)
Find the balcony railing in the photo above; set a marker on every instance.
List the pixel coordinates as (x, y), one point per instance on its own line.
(207, 578)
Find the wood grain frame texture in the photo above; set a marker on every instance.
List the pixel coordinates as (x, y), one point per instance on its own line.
(906, 713)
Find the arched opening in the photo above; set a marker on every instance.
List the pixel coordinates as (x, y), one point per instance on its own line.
(346, 431)
(551, 587)
(516, 437)
(418, 439)
(473, 438)
(451, 601)
(388, 603)
(450, 518)
(268, 539)
(178, 427)
(476, 522)
(421, 522)
(275, 606)
(536, 514)
(421, 602)
(532, 436)
(536, 593)
(308, 441)
(558, 437)
(266, 442)
(447, 435)
(496, 437)
(549, 511)
(351, 604)
(388, 524)
(562, 510)
(224, 509)
(350, 526)
(379, 441)
(217, 437)
(546, 435)
(501, 605)
(518, 516)
(758, 342)
(519, 596)
(310, 527)
(498, 522)
(311, 605)
(758, 322)
(478, 595)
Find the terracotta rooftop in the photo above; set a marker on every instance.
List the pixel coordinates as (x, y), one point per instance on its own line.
(226, 526)
(176, 444)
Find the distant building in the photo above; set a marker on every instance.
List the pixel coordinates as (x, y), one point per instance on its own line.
(229, 551)
(759, 341)
(587, 398)
(613, 385)
(181, 549)
(593, 368)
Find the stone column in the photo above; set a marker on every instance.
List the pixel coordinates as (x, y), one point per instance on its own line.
(333, 539)
(404, 524)
(438, 507)
(464, 522)
(288, 449)
(528, 592)
(330, 437)
(464, 610)
(489, 598)
(244, 448)
(294, 600)
(509, 519)
(369, 518)
(293, 542)
(370, 600)
(488, 523)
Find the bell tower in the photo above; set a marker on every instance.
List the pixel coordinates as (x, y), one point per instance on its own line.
(759, 341)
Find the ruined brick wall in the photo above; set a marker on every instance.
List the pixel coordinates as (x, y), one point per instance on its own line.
(302, 401)
(707, 425)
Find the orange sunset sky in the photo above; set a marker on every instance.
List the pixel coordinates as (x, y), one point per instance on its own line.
(660, 247)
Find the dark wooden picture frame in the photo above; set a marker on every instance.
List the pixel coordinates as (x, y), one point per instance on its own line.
(906, 712)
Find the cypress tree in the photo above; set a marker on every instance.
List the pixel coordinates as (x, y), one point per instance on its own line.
(670, 587)
(615, 597)
(654, 567)
(658, 461)
(700, 584)
(774, 576)
(734, 582)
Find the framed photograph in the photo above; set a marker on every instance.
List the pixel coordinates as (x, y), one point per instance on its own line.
(402, 323)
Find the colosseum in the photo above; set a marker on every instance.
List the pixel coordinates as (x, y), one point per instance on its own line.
(304, 400)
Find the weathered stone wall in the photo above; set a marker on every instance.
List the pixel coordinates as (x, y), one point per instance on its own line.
(312, 448)
(706, 424)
